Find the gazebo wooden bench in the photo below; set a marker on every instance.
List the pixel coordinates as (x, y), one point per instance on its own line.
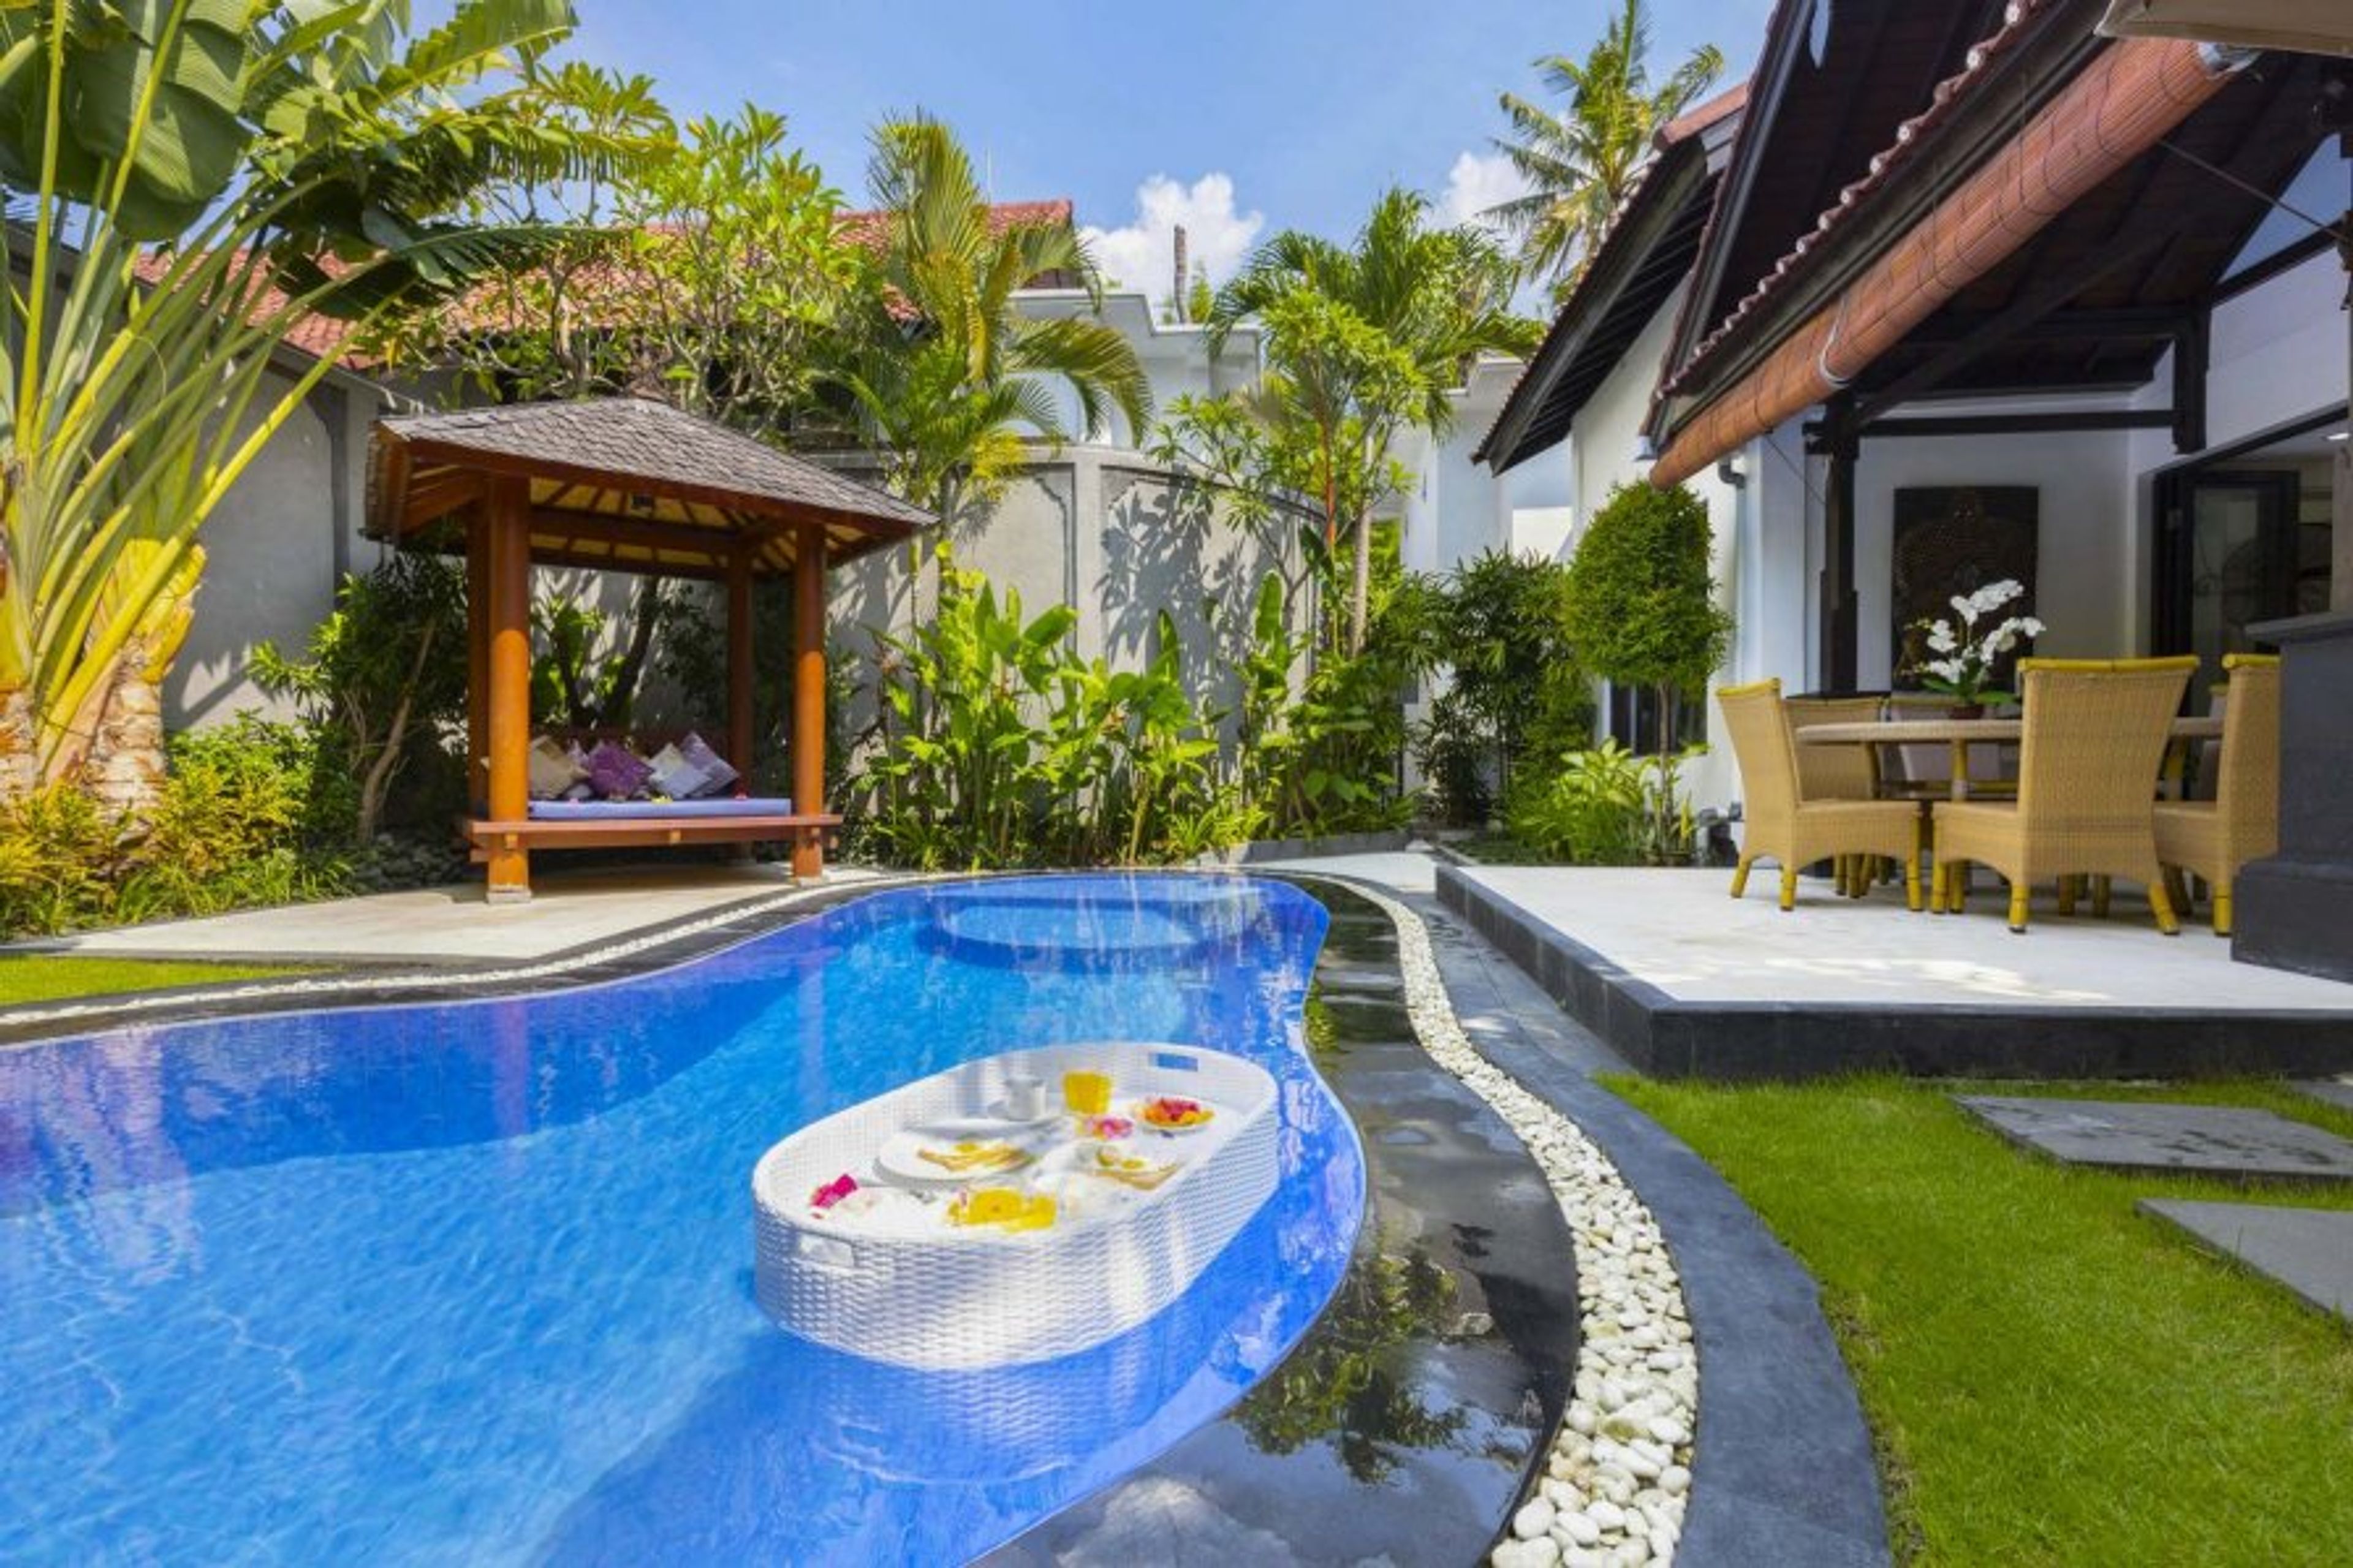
(633, 486)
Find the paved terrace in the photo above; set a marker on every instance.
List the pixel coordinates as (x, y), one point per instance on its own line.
(1682, 978)
(456, 925)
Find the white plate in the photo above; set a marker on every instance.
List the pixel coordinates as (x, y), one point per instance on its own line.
(1136, 1114)
(901, 1158)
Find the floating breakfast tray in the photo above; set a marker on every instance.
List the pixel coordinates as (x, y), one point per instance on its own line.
(885, 1274)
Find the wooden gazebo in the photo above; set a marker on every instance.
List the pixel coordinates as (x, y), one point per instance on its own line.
(634, 486)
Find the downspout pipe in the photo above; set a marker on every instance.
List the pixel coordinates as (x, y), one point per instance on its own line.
(2132, 95)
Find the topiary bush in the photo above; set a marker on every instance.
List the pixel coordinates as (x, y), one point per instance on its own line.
(1640, 606)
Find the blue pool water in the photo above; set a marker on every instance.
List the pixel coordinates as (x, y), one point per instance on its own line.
(471, 1282)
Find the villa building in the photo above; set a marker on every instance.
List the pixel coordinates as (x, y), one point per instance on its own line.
(1976, 292)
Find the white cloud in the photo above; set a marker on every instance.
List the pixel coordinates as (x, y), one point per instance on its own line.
(1477, 182)
(1141, 255)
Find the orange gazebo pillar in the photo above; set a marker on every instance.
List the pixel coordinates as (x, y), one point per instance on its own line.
(507, 700)
(808, 698)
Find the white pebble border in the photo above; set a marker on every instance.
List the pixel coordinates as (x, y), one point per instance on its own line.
(1620, 1473)
(347, 984)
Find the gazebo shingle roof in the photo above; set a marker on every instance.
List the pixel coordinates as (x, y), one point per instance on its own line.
(626, 484)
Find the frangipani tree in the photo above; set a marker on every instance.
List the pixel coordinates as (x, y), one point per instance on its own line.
(1367, 340)
(189, 180)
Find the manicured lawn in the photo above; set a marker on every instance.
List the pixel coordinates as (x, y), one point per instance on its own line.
(42, 978)
(2052, 1377)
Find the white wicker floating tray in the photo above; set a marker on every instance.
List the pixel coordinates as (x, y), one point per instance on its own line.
(891, 1280)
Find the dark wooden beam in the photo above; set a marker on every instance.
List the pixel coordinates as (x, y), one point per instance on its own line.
(2063, 327)
(2040, 300)
(2189, 355)
(2019, 423)
(1842, 622)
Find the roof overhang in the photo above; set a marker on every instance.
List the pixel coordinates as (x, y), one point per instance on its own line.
(1635, 270)
(622, 485)
(2044, 118)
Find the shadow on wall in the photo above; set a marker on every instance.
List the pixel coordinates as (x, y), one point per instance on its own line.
(1118, 538)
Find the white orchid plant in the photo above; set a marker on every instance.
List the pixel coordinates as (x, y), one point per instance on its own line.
(1962, 657)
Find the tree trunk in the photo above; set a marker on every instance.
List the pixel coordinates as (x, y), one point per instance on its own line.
(1666, 696)
(20, 765)
(123, 770)
(1360, 586)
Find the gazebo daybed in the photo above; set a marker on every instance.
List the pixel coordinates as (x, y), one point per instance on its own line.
(633, 486)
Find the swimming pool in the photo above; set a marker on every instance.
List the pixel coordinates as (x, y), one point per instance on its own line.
(472, 1281)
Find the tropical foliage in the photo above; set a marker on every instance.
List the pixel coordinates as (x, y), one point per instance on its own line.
(949, 376)
(385, 678)
(1604, 806)
(1365, 342)
(1003, 747)
(191, 179)
(1640, 606)
(1580, 162)
(1515, 690)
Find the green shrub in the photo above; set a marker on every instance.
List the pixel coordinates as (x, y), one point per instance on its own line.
(1605, 806)
(1516, 690)
(1639, 605)
(1002, 747)
(59, 855)
(252, 812)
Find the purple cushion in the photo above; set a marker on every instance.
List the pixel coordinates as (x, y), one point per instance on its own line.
(638, 810)
(719, 776)
(616, 773)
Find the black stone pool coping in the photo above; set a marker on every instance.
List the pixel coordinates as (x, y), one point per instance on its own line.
(1449, 1184)
(1783, 1471)
(1665, 1036)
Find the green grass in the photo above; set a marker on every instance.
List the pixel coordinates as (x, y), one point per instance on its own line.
(2051, 1377)
(40, 977)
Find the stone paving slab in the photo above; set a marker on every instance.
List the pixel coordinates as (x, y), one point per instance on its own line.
(2168, 1140)
(2310, 1251)
(2335, 1090)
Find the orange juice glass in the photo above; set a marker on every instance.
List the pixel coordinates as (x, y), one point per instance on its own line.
(1087, 1093)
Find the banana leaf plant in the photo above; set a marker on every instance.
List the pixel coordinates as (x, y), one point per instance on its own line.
(188, 182)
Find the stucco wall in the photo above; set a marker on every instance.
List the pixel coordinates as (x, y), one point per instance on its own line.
(275, 549)
(1119, 539)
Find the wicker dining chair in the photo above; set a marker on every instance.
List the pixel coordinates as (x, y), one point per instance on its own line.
(1784, 826)
(1839, 773)
(2212, 839)
(2094, 737)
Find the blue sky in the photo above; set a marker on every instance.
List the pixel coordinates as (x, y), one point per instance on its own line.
(1294, 112)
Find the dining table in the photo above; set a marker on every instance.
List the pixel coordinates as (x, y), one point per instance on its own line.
(1961, 734)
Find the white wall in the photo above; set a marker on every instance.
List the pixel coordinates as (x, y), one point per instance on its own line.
(1176, 356)
(2082, 590)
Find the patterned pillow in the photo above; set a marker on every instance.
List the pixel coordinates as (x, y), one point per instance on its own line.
(551, 769)
(717, 776)
(675, 776)
(615, 772)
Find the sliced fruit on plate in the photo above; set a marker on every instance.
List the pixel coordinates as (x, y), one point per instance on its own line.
(1174, 1113)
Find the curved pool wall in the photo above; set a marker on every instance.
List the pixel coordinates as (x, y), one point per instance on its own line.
(470, 1281)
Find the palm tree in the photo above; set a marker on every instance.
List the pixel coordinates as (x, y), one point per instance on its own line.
(247, 167)
(1580, 163)
(1367, 340)
(954, 376)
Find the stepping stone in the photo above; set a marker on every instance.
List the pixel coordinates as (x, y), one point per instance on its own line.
(2310, 1251)
(2168, 1140)
(2335, 1090)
